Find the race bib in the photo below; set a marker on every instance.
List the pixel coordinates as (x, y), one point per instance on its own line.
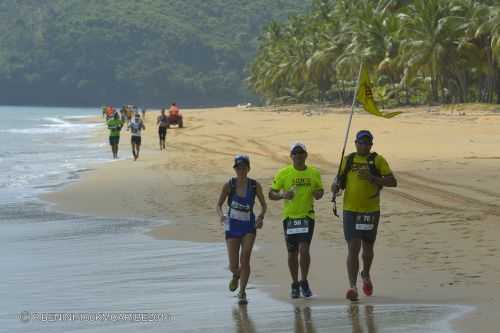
(297, 226)
(365, 222)
(239, 215)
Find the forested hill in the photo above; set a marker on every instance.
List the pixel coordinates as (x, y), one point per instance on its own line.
(148, 52)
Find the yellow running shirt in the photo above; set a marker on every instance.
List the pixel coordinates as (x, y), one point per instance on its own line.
(305, 183)
(360, 195)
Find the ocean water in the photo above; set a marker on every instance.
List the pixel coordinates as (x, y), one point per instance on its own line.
(44, 147)
(64, 273)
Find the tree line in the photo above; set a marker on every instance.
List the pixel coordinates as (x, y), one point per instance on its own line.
(423, 51)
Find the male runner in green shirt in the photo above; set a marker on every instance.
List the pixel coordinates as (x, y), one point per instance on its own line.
(115, 125)
(298, 184)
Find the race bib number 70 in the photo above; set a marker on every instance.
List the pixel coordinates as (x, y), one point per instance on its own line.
(365, 222)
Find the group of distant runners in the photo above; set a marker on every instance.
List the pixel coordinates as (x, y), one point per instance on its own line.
(131, 116)
(362, 176)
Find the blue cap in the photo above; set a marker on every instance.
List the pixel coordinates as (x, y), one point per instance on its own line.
(364, 134)
(241, 159)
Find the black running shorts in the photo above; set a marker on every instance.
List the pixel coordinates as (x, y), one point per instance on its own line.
(114, 140)
(136, 140)
(362, 226)
(297, 231)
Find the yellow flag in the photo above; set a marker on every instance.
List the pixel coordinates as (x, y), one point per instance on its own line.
(365, 96)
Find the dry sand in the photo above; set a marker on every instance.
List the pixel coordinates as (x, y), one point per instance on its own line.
(439, 239)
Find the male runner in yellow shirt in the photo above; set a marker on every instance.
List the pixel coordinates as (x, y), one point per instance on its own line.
(362, 175)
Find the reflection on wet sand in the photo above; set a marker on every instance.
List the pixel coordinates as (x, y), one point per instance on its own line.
(353, 318)
(354, 313)
(242, 321)
(303, 320)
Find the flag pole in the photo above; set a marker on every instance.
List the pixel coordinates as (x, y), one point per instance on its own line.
(350, 117)
(334, 200)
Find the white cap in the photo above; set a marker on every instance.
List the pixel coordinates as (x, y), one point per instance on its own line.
(298, 145)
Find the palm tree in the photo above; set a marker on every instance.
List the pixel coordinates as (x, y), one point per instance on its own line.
(471, 56)
(489, 33)
(429, 36)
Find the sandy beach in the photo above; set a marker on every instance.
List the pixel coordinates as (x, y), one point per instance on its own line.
(438, 242)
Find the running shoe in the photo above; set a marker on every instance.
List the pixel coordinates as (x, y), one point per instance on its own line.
(242, 298)
(367, 284)
(233, 284)
(295, 290)
(304, 287)
(352, 294)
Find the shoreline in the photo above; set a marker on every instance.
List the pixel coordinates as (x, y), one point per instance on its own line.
(424, 223)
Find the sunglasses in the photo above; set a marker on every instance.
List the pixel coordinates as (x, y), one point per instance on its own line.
(241, 166)
(366, 143)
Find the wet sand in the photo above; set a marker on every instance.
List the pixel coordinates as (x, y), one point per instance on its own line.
(55, 265)
(438, 243)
